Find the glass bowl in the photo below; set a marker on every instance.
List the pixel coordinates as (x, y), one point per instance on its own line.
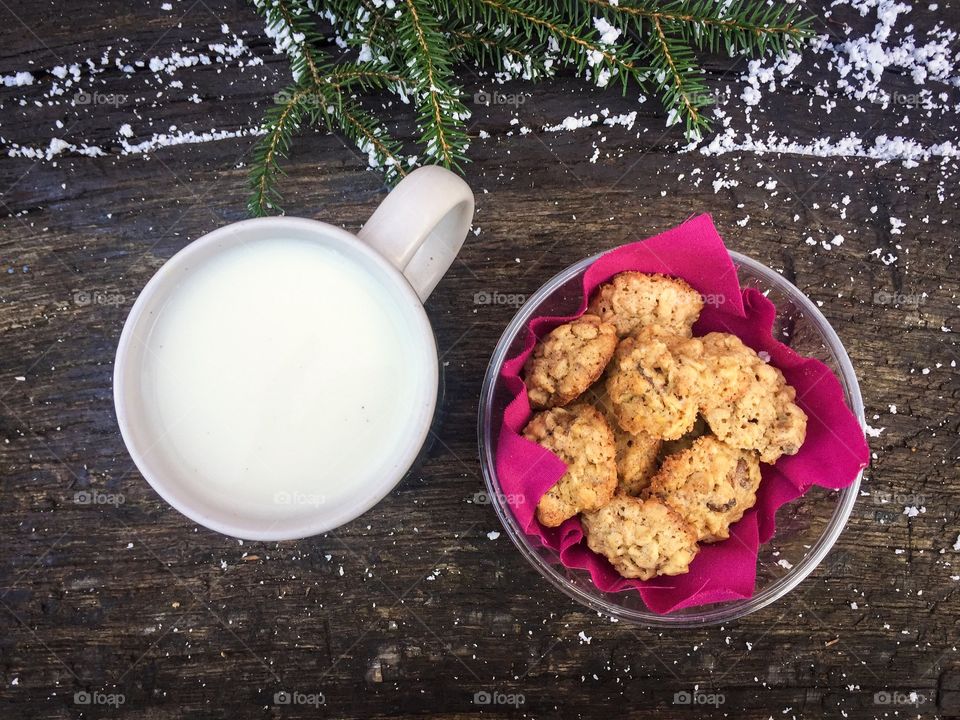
(806, 528)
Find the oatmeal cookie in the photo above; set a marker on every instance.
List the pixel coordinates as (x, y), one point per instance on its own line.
(748, 403)
(640, 538)
(568, 360)
(710, 486)
(651, 389)
(582, 439)
(636, 452)
(672, 447)
(632, 300)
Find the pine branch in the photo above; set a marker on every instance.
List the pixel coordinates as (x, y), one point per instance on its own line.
(371, 137)
(363, 76)
(738, 25)
(441, 113)
(684, 91)
(670, 31)
(288, 23)
(494, 51)
(363, 25)
(408, 47)
(320, 97)
(280, 124)
(539, 24)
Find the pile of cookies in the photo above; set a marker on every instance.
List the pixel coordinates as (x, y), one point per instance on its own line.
(663, 433)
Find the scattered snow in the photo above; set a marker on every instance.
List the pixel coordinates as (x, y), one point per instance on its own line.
(77, 86)
(626, 120)
(883, 148)
(608, 33)
(850, 67)
(17, 79)
(573, 123)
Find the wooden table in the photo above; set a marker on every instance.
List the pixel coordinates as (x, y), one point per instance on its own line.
(415, 607)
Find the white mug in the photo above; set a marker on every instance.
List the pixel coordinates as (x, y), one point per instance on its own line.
(400, 255)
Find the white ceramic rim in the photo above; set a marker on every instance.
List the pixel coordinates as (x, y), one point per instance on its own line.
(723, 612)
(162, 283)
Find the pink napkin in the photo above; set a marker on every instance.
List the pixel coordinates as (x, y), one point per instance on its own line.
(832, 455)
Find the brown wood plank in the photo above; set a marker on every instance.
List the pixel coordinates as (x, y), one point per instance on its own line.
(411, 610)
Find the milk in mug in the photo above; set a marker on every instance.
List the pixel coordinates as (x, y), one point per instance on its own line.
(279, 376)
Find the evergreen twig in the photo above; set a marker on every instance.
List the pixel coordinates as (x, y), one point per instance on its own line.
(280, 123)
(410, 48)
(684, 90)
(320, 94)
(427, 58)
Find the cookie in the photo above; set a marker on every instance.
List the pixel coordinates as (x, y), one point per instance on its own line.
(710, 486)
(582, 439)
(636, 452)
(568, 360)
(640, 538)
(748, 403)
(651, 389)
(633, 300)
(672, 447)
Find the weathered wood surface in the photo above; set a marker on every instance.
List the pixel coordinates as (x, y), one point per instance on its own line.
(412, 609)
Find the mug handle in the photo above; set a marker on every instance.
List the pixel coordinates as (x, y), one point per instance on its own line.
(421, 225)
